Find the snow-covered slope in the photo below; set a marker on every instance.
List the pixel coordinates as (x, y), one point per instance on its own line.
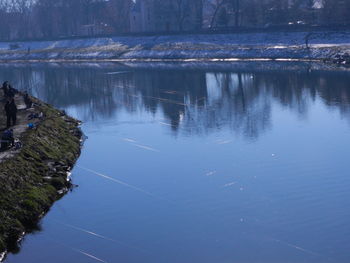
(280, 45)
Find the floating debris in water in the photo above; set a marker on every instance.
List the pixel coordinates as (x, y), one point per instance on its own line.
(146, 147)
(210, 173)
(225, 142)
(230, 184)
(128, 140)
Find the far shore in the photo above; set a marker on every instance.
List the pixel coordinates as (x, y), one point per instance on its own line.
(155, 60)
(329, 46)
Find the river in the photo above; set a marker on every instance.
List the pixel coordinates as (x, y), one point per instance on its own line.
(198, 165)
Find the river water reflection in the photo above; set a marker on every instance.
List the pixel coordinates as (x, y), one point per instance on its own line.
(198, 166)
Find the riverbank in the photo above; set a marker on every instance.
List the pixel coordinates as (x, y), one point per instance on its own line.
(327, 45)
(33, 177)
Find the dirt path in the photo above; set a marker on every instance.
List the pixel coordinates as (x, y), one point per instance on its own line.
(22, 122)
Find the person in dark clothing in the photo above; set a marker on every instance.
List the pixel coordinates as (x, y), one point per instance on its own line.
(27, 101)
(11, 112)
(12, 92)
(9, 91)
(5, 87)
(7, 140)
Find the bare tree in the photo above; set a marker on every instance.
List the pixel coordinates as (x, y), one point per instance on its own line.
(117, 14)
(24, 19)
(182, 12)
(236, 5)
(216, 6)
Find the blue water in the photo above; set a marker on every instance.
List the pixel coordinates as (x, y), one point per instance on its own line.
(198, 166)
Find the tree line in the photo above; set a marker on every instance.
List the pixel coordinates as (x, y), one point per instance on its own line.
(35, 19)
(264, 13)
(28, 19)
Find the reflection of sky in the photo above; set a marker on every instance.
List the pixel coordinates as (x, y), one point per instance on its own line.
(216, 81)
(214, 84)
(240, 101)
(214, 195)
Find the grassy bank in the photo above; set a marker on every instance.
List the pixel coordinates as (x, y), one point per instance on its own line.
(36, 176)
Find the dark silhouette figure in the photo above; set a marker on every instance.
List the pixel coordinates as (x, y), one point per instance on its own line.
(5, 87)
(11, 112)
(9, 91)
(7, 140)
(27, 101)
(307, 40)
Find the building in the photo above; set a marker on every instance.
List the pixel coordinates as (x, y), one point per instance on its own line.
(166, 15)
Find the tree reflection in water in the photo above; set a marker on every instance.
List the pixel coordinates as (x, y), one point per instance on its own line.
(191, 101)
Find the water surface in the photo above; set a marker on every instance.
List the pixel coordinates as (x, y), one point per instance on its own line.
(198, 166)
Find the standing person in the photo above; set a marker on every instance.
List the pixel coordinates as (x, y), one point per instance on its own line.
(5, 87)
(11, 111)
(12, 92)
(9, 91)
(27, 100)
